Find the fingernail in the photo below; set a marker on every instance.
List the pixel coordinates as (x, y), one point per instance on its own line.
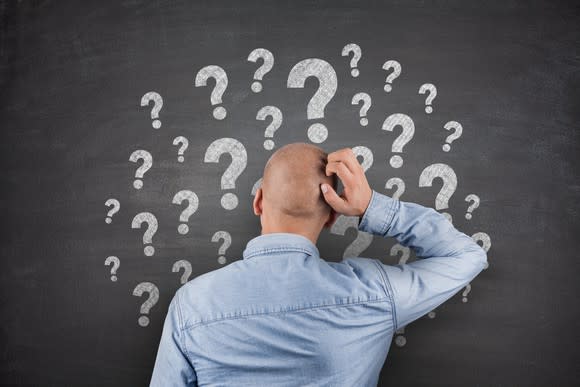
(324, 188)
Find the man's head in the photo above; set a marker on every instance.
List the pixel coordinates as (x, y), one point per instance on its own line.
(290, 199)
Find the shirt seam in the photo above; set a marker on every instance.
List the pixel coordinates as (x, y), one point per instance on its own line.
(260, 251)
(389, 292)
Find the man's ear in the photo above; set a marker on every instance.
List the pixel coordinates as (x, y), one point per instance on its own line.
(331, 219)
(257, 204)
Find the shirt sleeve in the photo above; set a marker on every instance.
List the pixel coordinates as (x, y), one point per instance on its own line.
(172, 366)
(447, 258)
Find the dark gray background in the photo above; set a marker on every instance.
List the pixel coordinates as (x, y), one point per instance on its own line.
(72, 76)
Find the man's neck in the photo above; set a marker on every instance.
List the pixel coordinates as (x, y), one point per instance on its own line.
(305, 233)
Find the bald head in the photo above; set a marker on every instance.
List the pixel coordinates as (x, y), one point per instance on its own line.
(291, 181)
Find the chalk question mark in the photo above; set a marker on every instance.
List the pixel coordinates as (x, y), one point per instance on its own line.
(453, 136)
(192, 205)
(396, 67)
(184, 144)
(116, 263)
(256, 185)
(147, 163)
(471, 198)
(400, 340)
(366, 100)
(366, 154)
(405, 253)
(237, 151)
(328, 83)
(485, 242)
(116, 206)
(268, 58)
(356, 55)
(276, 114)
(221, 83)
(362, 241)
(445, 173)
(157, 105)
(227, 238)
(151, 220)
(397, 182)
(186, 266)
(405, 122)
(466, 292)
(432, 90)
(149, 303)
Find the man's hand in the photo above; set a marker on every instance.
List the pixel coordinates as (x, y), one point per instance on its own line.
(356, 196)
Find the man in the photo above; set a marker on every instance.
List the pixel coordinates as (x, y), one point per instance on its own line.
(283, 316)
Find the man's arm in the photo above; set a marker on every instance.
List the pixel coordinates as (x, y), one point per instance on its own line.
(172, 367)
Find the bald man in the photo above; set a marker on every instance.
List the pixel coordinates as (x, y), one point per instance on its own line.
(283, 316)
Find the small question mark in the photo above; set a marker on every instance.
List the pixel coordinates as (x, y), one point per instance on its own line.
(405, 253)
(147, 163)
(227, 238)
(445, 173)
(466, 292)
(268, 58)
(157, 105)
(428, 87)
(151, 300)
(366, 154)
(116, 263)
(397, 182)
(357, 53)
(471, 198)
(239, 156)
(396, 66)
(403, 120)
(221, 84)
(186, 266)
(485, 242)
(453, 136)
(362, 241)
(276, 114)
(193, 203)
(151, 220)
(328, 83)
(366, 99)
(256, 185)
(116, 206)
(184, 144)
(400, 340)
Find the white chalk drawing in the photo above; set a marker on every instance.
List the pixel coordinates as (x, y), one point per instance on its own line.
(221, 84)
(396, 67)
(116, 207)
(485, 242)
(187, 270)
(366, 154)
(157, 105)
(396, 182)
(256, 185)
(400, 339)
(227, 238)
(445, 173)
(116, 263)
(356, 55)
(328, 83)
(151, 220)
(366, 100)
(147, 164)
(474, 200)
(146, 287)
(466, 292)
(276, 114)
(268, 63)
(431, 91)
(362, 241)
(184, 144)
(192, 205)
(405, 122)
(405, 253)
(458, 130)
(237, 151)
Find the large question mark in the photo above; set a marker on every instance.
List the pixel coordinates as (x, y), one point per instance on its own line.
(328, 83)
(221, 83)
(362, 241)
(239, 156)
(396, 66)
(405, 253)
(485, 242)
(445, 173)
(268, 58)
(356, 55)
(151, 300)
(116, 263)
(256, 185)
(147, 163)
(428, 87)
(227, 238)
(116, 207)
(276, 114)
(186, 266)
(366, 154)
(366, 100)
(157, 105)
(471, 198)
(397, 182)
(403, 120)
(453, 136)
(151, 220)
(193, 203)
(184, 144)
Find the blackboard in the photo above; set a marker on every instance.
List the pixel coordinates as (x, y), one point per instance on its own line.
(73, 75)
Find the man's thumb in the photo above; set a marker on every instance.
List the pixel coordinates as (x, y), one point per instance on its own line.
(332, 198)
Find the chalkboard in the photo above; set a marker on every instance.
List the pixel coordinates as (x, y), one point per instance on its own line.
(90, 91)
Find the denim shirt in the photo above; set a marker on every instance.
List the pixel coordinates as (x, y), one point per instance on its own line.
(283, 316)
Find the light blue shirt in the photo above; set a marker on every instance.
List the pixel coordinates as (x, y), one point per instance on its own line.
(283, 316)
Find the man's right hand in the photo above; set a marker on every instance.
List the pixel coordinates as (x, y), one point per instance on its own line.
(355, 198)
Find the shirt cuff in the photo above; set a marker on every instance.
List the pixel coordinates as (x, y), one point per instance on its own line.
(379, 214)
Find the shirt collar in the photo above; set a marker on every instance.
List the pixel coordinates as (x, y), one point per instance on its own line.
(266, 244)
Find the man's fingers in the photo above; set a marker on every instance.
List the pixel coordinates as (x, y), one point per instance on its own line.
(347, 157)
(342, 171)
(332, 198)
